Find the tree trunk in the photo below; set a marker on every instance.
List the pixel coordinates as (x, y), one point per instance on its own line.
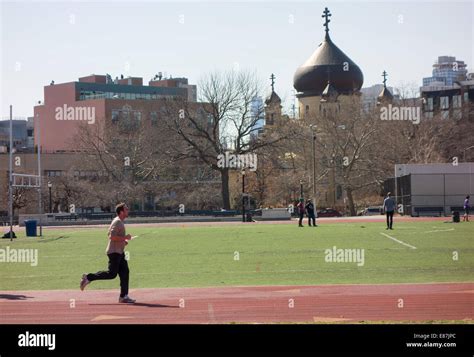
(351, 202)
(225, 188)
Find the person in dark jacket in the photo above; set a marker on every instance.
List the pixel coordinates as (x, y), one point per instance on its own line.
(467, 208)
(301, 209)
(389, 209)
(310, 213)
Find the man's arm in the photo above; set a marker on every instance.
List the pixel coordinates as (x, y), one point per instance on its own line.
(120, 239)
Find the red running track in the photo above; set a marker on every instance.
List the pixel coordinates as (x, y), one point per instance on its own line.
(261, 304)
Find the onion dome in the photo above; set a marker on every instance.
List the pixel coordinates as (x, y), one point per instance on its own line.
(328, 63)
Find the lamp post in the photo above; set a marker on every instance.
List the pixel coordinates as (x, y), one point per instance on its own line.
(50, 185)
(243, 195)
(301, 189)
(313, 130)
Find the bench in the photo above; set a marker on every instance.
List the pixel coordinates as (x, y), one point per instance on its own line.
(428, 211)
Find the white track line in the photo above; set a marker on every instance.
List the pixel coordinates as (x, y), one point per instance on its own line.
(398, 241)
(440, 230)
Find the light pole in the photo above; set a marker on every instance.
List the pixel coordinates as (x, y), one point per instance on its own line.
(313, 131)
(301, 189)
(243, 195)
(50, 185)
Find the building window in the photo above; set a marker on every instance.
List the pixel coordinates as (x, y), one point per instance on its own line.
(457, 114)
(466, 97)
(429, 104)
(53, 173)
(444, 102)
(269, 120)
(115, 115)
(154, 118)
(306, 110)
(457, 101)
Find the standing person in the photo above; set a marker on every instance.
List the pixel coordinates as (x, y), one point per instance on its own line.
(301, 209)
(467, 207)
(389, 209)
(115, 251)
(310, 213)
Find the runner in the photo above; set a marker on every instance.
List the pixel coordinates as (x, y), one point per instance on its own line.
(115, 251)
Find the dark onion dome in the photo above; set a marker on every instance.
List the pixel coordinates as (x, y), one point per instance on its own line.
(328, 63)
(272, 98)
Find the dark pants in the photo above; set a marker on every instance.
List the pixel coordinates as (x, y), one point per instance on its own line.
(300, 223)
(311, 217)
(117, 265)
(389, 219)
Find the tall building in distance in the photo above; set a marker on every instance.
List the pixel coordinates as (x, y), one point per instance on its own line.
(446, 71)
(256, 109)
(22, 135)
(449, 93)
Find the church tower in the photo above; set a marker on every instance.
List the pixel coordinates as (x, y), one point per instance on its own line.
(326, 79)
(385, 97)
(272, 106)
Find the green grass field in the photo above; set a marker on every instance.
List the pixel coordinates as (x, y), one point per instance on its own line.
(267, 255)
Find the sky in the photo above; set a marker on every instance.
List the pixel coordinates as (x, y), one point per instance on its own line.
(42, 41)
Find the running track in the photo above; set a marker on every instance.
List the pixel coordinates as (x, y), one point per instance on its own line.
(262, 304)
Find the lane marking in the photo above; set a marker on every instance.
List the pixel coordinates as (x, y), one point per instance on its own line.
(398, 241)
(292, 291)
(109, 317)
(329, 319)
(440, 230)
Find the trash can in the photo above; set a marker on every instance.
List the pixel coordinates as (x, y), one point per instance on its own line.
(30, 226)
(456, 217)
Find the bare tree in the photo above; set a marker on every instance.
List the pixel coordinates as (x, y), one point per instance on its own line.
(223, 121)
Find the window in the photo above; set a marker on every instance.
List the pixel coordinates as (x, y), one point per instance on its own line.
(137, 115)
(456, 101)
(457, 114)
(53, 173)
(115, 115)
(306, 110)
(444, 102)
(466, 97)
(430, 104)
(154, 118)
(269, 120)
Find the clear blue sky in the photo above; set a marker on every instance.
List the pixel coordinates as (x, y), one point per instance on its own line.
(61, 41)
